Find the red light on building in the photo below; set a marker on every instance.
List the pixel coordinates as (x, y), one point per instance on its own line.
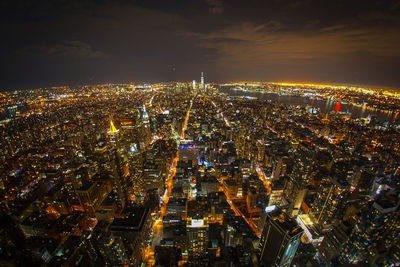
(337, 108)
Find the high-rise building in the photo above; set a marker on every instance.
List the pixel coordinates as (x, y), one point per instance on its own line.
(279, 167)
(276, 195)
(279, 240)
(304, 163)
(294, 193)
(89, 196)
(197, 226)
(153, 171)
(251, 201)
(333, 242)
(337, 107)
(112, 249)
(120, 184)
(392, 232)
(112, 132)
(301, 174)
(330, 202)
(112, 129)
(360, 247)
(145, 131)
(194, 85)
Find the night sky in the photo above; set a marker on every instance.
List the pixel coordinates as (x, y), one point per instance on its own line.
(64, 42)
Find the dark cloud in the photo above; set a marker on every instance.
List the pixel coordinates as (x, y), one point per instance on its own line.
(312, 24)
(273, 25)
(395, 5)
(60, 41)
(262, 43)
(296, 4)
(379, 17)
(66, 49)
(294, 52)
(215, 6)
(222, 40)
(74, 49)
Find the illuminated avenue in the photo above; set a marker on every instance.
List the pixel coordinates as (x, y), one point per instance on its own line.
(200, 174)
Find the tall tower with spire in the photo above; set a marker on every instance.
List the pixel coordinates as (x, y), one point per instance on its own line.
(202, 80)
(203, 87)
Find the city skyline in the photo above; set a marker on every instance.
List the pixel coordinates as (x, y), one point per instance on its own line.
(200, 133)
(198, 174)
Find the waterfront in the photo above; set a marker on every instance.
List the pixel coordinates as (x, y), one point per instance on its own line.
(324, 106)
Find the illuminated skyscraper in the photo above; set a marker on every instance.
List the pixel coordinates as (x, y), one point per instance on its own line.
(361, 246)
(202, 80)
(197, 226)
(144, 129)
(337, 108)
(89, 196)
(304, 163)
(112, 130)
(145, 115)
(112, 249)
(331, 200)
(120, 182)
(294, 193)
(197, 230)
(300, 175)
(279, 240)
(333, 241)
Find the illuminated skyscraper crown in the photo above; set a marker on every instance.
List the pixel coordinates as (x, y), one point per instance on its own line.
(112, 130)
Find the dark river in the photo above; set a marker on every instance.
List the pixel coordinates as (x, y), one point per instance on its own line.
(324, 105)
